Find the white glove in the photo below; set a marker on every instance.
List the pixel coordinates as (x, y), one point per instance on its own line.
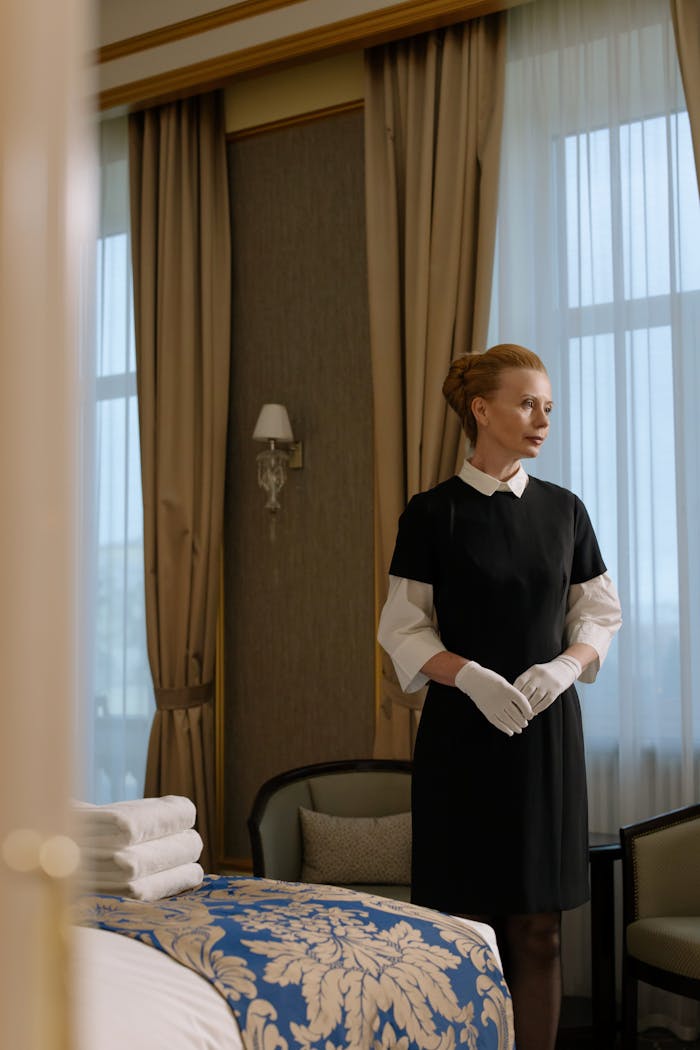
(500, 702)
(543, 683)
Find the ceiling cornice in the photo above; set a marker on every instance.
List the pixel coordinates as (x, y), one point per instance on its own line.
(361, 31)
(223, 16)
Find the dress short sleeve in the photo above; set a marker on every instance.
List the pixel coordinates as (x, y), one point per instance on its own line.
(413, 557)
(587, 561)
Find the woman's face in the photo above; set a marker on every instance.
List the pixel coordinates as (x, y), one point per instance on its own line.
(515, 419)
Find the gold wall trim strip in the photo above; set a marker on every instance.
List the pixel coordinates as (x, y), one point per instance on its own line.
(219, 697)
(222, 862)
(223, 16)
(296, 119)
(413, 16)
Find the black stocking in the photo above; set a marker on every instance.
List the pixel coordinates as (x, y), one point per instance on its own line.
(530, 946)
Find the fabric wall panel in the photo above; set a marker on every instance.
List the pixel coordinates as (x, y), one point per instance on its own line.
(299, 612)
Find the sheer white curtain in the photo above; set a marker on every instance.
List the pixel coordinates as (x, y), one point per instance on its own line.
(598, 269)
(118, 723)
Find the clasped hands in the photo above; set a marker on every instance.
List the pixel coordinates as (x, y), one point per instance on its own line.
(511, 707)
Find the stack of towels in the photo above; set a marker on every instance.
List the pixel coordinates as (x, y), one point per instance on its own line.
(146, 848)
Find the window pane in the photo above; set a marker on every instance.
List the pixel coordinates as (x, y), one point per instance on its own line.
(653, 551)
(686, 206)
(123, 693)
(588, 222)
(645, 208)
(120, 508)
(652, 503)
(114, 311)
(594, 476)
(592, 434)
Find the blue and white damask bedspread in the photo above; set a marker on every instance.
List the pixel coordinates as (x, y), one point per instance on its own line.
(325, 968)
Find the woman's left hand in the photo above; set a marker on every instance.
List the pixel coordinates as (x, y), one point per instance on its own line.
(543, 683)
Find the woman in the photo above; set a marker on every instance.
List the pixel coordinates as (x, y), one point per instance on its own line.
(499, 597)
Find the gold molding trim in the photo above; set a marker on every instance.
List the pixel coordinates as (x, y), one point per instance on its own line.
(167, 34)
(295, 119)
(219, 694)
(376, 27)
(222, 863)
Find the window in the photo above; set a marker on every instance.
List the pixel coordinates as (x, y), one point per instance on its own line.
(632, 261)
(598, 269)
(123, 694)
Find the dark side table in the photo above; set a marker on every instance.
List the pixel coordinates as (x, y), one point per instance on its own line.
(603, 851)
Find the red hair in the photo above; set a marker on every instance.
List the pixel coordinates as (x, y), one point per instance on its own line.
(479, 375)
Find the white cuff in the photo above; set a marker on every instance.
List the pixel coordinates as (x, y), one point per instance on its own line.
(409, 657)
(593, 618)
(598, 638)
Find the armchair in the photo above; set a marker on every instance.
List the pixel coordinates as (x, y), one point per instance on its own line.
(359, 788)
(661, 909)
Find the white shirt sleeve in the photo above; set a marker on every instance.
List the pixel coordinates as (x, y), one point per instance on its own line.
(407, 630)
(408, 633)
(594, 617)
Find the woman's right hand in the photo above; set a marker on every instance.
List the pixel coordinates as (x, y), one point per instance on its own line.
(501, 703)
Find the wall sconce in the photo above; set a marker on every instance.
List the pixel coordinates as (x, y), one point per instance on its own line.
(272, 426)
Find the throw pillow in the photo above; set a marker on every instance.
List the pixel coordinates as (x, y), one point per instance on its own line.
(347, 850)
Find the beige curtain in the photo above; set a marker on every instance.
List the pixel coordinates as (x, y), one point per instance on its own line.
(182, 294)
(686, 26)
(433, 115)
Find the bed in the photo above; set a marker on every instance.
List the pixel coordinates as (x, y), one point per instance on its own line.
(258, 964)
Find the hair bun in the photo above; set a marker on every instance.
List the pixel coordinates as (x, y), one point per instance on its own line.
(479, 375)
(454, 388)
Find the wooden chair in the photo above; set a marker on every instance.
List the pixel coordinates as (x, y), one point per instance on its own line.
(661, 909)
(352, 788)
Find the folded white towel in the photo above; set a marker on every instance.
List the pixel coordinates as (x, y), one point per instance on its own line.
(150, 887)
(145, 858)
(122, 824)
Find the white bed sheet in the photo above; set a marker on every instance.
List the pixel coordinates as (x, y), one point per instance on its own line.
(134, 997)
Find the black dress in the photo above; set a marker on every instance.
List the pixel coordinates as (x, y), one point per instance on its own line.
(499, 823)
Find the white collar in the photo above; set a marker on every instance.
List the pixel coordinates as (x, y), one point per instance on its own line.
(487, 485)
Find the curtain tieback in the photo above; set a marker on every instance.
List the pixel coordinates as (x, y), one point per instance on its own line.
(184, 697)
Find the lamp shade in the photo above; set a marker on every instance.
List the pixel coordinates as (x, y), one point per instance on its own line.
(273, 422)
